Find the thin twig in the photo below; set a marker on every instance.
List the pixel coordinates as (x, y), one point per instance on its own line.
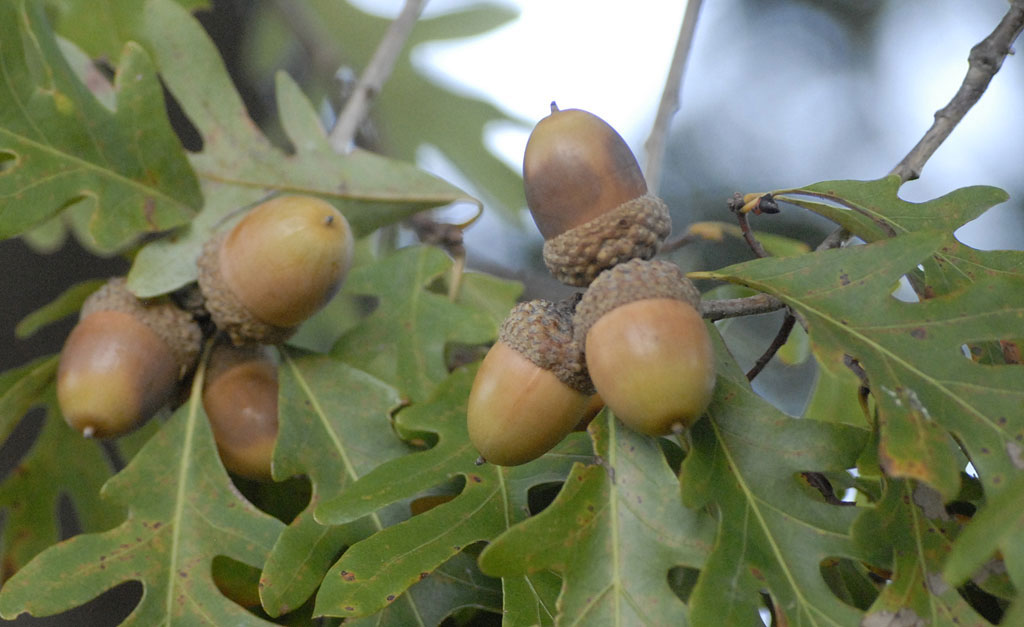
(655, 145)
(984, 61)
(748, 236)
(736, 307)
(780, 338)
(374, 76)
(683, 240)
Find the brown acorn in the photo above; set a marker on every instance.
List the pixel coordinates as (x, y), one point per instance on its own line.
(121, 362)
(277, 267)
(531, 389)
(588, 197)
(647, 349)
(240, 400)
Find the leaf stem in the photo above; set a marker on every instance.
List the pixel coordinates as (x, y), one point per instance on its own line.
(374, 76)
(984, 61)
(670, 97)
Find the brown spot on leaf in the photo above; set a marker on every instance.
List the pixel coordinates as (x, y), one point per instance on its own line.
(918, 333)
(844, 279)
(390, 598)
(476, 478)
(424, 576)
(148, 210)
(347, 576)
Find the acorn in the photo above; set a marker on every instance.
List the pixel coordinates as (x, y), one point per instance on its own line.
(532, 388)
(240, 400)
(646, 347)
(588, 197)
(122, 361)
(278, 266)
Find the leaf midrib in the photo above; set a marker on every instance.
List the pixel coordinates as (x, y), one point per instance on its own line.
(346, 462)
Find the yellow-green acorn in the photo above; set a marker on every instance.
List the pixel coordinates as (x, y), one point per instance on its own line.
(531, 389)
(646, 347)
(240, 399)
(122, 361)
(588, 197)
(277, 267)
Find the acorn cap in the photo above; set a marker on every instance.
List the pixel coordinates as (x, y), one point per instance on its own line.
(634, 280)
(541, 331)
(226, 310)
(633, 230)
(175, 327)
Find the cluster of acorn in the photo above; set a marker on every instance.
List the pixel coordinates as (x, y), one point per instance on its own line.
(126, 358)
(634, 339)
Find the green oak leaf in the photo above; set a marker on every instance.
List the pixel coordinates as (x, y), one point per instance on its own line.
(374, 572)
(995, 527)
(334, 427)
(456, 584)
(182, 512)
(911, 352)
(60, 146)
(30, 493)
(913, 540)
(239, 166)
(403, 341)
(746, 463)
(872, 210)
(613, 532)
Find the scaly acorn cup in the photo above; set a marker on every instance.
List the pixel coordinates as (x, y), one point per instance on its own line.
(646, 347)
(121, 362)
(532, 387)
(240, 399)
(277, 267)
(588, 197)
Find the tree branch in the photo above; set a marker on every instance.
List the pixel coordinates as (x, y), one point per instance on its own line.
(736, 307)
(655, 144)
(374, 76)
(984, 61)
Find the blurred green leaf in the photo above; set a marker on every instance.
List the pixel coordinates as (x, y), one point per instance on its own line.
(491, 294)
(375, 571)
(60, 145)
(913, 541)
(334, 428)
(746, 463)
(613, 532)
(182, 511)
(102, 27)
(403, 340)
(911, 352)
(68, 303)
(413, 110)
